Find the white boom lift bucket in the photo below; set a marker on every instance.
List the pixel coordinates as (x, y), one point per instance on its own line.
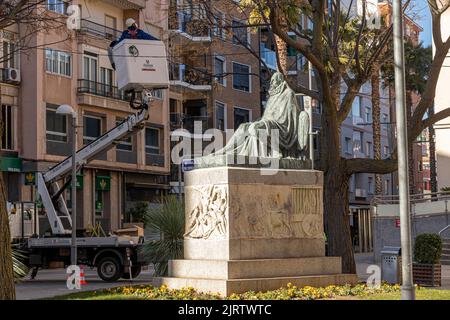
(141, 64)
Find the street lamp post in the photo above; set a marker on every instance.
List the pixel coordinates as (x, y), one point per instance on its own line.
(68, 111)
(402, 146)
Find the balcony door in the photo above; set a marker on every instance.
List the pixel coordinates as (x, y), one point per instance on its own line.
(106, 81)
(90, 67)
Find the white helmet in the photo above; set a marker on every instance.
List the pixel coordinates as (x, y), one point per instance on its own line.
(130, 22)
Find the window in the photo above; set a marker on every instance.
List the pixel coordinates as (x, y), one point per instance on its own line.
(241, 77)
(348, 145)
(386, 186)
(151, 141)
(368, 115)
(356, 107)
(220, 116)
(218, 30)
(369, 149)
(56, 125)
(386, 151)
(240, 33)
(126, 144)
(92, 128)
(220, 70)
(111, 26)
(58, 6)
(370, 185)
(291, 51)
(158, 94)
(9, 55)
(241, 116)
(58, 62)
(7, 128)
(90, 63)
(106, 80)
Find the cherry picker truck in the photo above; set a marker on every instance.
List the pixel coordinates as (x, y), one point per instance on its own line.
(141, 67)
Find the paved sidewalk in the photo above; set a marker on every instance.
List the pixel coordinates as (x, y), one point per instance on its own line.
(51, 283)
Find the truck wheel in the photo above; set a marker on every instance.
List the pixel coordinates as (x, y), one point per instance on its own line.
(135, 272)
(109, 269)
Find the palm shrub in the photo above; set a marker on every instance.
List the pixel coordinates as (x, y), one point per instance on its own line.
(19, 267)
(428, 248)
(168, 220)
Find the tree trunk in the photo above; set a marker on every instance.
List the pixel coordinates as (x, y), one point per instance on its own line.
(376, 126)
(7, 288)
(432, 150)
(411, 161)
(282, 54)
(336, 209)
(336, 190)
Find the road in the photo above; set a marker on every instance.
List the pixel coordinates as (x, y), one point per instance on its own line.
(50, 283)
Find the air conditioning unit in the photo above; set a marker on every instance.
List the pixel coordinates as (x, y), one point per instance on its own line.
(12, 75)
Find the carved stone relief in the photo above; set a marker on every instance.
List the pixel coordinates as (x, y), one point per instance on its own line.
(209, 217)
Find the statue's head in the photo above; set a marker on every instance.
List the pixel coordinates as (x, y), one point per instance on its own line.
(276, 83)
(276, 79)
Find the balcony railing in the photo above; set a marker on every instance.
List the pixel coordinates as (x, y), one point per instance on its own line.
(188, 122)
(190, 76)
(185, 23)
(101, 89)
(99, 30)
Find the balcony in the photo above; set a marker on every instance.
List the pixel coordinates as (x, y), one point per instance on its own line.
(101, 89)
(127, 4)
(99, 30)
(188, 77)
(189, 123)
(188, 27)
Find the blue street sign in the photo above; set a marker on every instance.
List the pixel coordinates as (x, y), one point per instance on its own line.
(187, 165)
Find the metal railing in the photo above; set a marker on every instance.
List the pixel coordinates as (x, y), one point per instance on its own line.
(188, 122)
(194, 76)
(443, 230)
(99, 30)
(101, 89)
(414, 198)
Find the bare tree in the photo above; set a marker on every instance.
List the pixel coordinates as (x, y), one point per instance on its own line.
(345, 53)
(31, 17)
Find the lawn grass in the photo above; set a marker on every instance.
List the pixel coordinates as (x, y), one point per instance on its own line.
(421, 294)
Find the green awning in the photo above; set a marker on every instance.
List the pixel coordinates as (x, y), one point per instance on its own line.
(10, 164)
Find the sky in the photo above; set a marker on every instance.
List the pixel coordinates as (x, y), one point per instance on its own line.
(423, 18)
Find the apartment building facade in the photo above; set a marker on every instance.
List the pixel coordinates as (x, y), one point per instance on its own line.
(214, 79)
(442, 102)
(72, 67)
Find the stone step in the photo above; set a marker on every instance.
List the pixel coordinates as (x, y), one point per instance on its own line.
(259, 268)
(445, 262)
(227, 287)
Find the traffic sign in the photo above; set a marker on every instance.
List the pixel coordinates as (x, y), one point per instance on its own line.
(187, 165)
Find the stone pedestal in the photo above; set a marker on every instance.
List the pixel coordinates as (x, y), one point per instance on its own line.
(253, 229)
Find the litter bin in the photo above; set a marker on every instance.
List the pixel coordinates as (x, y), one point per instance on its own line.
(391, 264)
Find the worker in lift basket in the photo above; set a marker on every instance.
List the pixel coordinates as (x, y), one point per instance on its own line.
(132, 32)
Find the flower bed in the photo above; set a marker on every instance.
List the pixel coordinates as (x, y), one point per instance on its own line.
(290, 292)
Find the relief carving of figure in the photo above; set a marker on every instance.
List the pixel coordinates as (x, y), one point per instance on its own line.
(209, 216)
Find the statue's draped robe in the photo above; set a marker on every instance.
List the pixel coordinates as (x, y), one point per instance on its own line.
(253, 139)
